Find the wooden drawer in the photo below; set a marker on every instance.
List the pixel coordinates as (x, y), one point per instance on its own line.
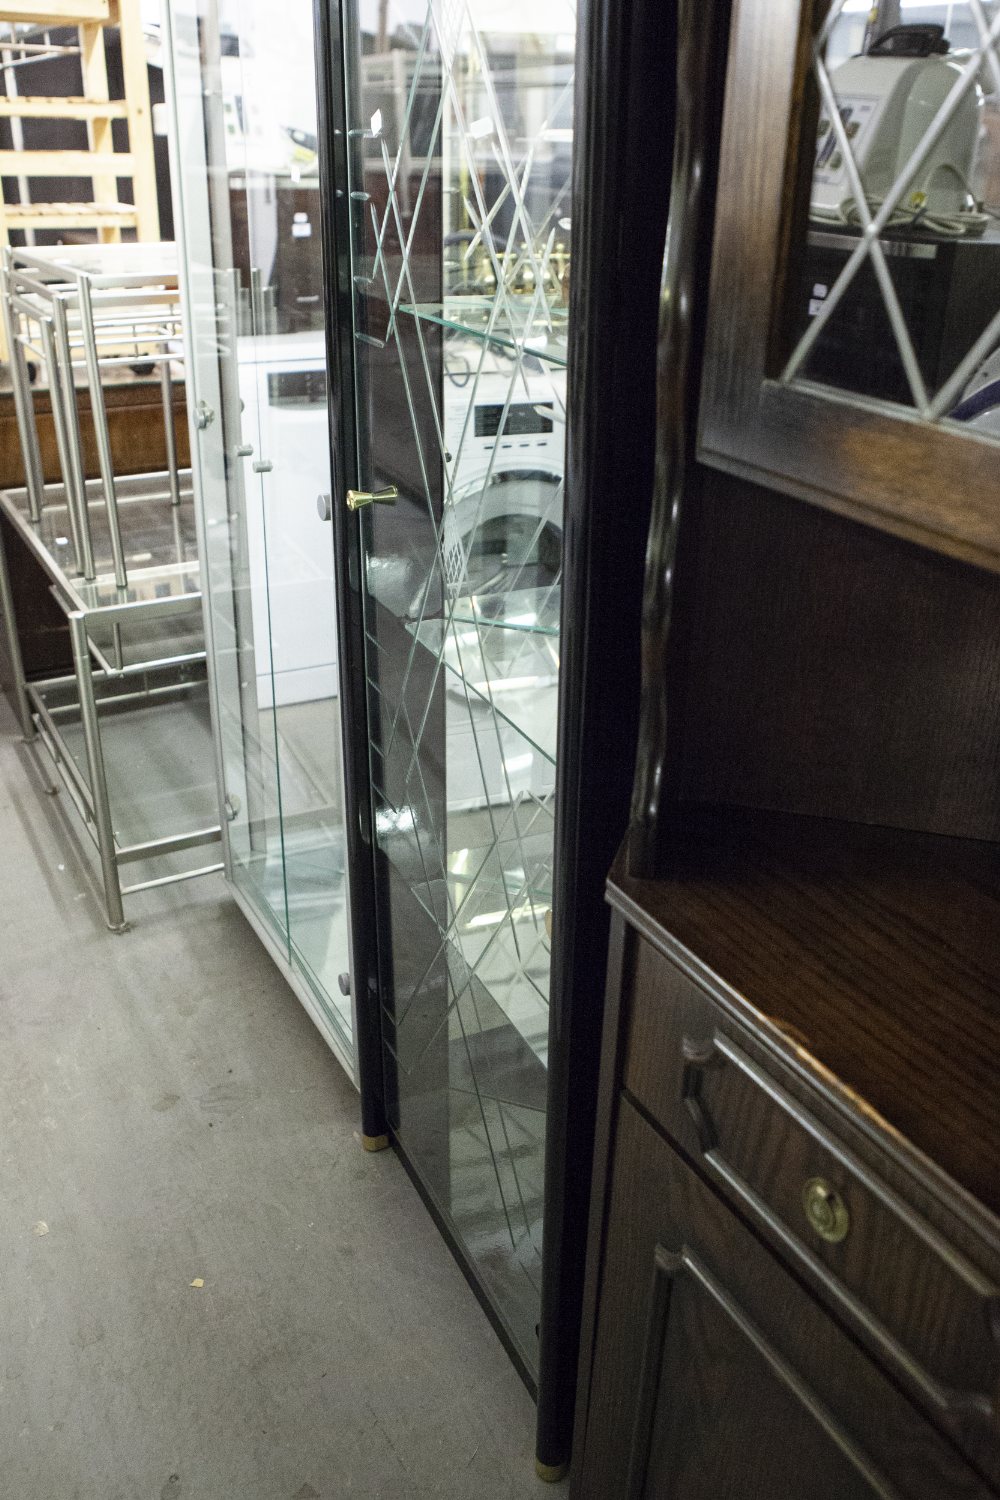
(716, 1376)
(920, 1304)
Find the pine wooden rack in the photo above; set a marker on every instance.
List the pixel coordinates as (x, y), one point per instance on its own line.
(103, 212)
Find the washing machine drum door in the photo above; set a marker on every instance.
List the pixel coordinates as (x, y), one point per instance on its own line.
(505, 535)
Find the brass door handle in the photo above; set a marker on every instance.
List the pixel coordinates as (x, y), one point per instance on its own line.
(357, 498)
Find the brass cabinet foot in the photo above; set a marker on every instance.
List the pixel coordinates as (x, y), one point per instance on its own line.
(374, 1142)
(551, 1473)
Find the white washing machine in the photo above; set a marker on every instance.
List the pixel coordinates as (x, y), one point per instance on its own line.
(504, 429)
(979, 407)
(283, 387)
(503, 512)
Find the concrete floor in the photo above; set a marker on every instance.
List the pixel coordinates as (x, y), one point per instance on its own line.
(168, 1113)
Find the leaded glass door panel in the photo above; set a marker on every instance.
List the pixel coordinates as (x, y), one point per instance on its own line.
(853, 341)
(459, 125)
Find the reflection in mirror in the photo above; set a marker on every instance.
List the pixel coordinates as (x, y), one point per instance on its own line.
(895, 281)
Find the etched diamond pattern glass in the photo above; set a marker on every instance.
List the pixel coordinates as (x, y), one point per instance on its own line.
(895, 294)
(461, 128)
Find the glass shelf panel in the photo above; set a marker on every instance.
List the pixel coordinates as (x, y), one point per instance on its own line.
(159, 539)
(512, 674)
(157, 754)
(179, 583)
(537, 329)
(498, 793)
(145, 638)
(529, 611)
(500, 886)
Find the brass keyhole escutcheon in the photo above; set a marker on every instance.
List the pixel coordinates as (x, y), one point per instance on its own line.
(826, 1210)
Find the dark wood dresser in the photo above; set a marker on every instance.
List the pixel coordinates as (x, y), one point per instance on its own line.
(794, 1273)
(793, 1265)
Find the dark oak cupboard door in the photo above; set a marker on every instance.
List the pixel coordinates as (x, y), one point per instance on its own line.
(716, 1375)
(752, 1406)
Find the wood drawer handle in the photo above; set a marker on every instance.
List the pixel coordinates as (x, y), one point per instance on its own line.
(702, 1057)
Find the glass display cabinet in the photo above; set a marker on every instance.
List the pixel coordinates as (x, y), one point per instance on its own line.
(451, 199)
(443, 151)
(243, 106)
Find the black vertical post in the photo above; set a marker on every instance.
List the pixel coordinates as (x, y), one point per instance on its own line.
(334, 209)
(623, 140)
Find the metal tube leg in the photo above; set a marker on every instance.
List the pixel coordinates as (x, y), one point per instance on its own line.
(21, 704)
(74, 445)
(27, 429)
(96, 773)
(98, 411)
(59, 423)
(179, 548)
(24, 405)
(170, 435)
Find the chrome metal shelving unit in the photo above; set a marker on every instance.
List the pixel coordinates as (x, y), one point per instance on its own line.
(90, 309)
(121, 559)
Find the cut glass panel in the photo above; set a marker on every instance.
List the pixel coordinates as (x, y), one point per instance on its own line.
(460, 205)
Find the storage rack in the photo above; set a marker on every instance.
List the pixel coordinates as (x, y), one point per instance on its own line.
(27, 41)
(119, 551)
(28, 25)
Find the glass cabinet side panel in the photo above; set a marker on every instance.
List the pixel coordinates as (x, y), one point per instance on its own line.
(285, 396)
(246, 148)
(209, 150)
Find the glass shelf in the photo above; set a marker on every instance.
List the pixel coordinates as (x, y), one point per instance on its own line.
(511, 672)
(499, 877)
(526, 330)
(177, 584)
(159, 539)
(157, 755)
(145, 639)
(528, 611)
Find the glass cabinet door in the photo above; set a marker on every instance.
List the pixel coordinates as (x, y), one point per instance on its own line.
(244, 121)
(852, 350)
(457, 217)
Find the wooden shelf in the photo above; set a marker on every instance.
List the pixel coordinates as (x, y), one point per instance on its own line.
(881, 948)
(62, 13)
(66, 164)
(100, 164)
(68, 107)
(70, 215)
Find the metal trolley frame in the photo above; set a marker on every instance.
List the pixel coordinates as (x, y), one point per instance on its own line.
(117, 550)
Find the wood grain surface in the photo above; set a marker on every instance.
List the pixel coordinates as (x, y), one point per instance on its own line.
(820, 667)
(730, 1380)
(882, 948)
(135, 424)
